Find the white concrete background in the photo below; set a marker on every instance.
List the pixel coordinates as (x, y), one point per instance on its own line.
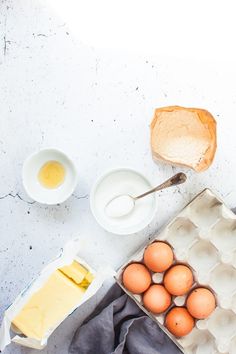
(85, 77)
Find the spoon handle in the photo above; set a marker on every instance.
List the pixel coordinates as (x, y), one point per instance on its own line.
(173, 181)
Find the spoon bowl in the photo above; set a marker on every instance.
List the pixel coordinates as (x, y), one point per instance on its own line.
(123, 204)
(120, 206)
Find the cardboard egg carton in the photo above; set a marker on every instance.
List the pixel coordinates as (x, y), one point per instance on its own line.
(203, 236)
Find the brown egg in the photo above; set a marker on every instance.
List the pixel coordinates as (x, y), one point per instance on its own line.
(201, 303)
(178, 280)
(156, 299)
(158, 256)
(179, 322)
(136, 278)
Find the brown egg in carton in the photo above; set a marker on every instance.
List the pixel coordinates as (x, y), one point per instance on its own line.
(203, 237)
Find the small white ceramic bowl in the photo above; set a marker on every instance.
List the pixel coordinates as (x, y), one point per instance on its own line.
(117, 182)
(32, 185)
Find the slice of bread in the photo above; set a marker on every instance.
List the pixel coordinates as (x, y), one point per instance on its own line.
(184, 136)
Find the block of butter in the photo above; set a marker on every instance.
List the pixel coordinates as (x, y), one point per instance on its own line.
(48, 306)
(61, 288)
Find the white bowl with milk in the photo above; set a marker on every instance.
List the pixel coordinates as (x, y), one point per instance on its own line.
(121, 182)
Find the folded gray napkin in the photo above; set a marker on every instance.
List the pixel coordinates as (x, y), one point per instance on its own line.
(119, 326)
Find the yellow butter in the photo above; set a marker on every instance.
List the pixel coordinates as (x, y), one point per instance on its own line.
(75, 271)
(89, 277)
(48, 306)
(85, 284)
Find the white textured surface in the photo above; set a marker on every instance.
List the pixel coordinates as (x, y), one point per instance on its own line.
(86, 80)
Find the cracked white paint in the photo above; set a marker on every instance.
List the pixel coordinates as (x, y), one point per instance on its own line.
(95, 102)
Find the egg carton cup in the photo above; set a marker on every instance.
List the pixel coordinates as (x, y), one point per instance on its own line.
(202, 236)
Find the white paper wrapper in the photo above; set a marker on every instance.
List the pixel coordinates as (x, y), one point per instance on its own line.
(69, 253)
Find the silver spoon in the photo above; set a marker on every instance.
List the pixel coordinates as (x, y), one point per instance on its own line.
(122, 205)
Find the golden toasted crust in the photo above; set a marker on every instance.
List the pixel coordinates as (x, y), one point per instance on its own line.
(206, 119)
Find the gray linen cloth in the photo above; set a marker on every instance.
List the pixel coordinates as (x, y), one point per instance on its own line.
(119, 326)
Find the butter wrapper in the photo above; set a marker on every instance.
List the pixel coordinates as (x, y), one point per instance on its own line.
(9, 333)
